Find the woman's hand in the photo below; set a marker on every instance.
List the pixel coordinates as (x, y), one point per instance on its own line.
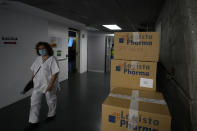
(49, 88)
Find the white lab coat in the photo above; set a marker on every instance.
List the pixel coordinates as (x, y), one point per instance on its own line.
(41, 82)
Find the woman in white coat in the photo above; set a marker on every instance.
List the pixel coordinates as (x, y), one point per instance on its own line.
(45, 84)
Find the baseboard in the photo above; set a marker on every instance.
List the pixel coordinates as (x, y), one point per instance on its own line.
(96, 71)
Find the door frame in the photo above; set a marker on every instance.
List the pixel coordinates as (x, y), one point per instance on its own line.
(77, 48)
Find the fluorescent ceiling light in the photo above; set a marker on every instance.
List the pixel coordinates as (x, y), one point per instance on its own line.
(112, 27)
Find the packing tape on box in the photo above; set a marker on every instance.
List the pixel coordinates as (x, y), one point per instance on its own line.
(136, 37)
(134, 65)
(134, 106)
(133, 110)
(148, 100)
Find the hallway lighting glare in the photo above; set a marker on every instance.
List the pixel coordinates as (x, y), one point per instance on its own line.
(112, 27)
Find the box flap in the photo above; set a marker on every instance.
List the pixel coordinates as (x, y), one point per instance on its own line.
(161, 109)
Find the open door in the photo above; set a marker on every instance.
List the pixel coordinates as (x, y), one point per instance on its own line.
(73, 52)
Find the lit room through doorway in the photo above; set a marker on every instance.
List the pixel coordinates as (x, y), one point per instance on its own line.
(73, 52)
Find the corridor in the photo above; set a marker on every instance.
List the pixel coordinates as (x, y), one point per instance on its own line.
(79, 106)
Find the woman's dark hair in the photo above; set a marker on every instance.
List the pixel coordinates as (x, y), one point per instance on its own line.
(47, 46)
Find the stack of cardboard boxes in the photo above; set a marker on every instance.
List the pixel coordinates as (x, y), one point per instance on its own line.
(133, 103)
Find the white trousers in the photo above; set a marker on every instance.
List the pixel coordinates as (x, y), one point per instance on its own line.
(36, 101)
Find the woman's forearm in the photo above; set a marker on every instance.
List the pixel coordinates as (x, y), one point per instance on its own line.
(52, 81)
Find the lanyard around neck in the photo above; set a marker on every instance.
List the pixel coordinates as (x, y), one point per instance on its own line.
(40, 67)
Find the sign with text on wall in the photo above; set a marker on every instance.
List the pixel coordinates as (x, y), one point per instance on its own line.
(57, 45)
(9, 40)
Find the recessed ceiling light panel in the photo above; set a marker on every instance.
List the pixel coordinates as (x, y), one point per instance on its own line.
(112, 27)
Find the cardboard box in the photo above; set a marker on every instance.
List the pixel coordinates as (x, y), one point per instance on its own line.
(133, 74)
(149, 116)
(142, 46)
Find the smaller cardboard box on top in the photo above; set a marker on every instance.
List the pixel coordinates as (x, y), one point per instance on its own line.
(133, 74)
(142, 46)
(126, 109)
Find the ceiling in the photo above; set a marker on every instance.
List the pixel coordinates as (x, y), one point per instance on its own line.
(130, 15)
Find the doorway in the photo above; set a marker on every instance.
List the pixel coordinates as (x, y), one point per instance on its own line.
(109, 49)
(73, 52)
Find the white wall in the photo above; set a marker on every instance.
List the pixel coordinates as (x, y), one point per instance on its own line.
(17, 59)
(83, 51)
(30, 25)
(96, 51)
(61, 31)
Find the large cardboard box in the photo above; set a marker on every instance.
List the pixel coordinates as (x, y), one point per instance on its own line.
(133, 74)
(142, 46)
(151, 113)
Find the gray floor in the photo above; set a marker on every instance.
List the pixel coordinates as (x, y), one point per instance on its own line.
(79, 106)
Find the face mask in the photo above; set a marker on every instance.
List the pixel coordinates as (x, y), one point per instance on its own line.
(43, 52)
